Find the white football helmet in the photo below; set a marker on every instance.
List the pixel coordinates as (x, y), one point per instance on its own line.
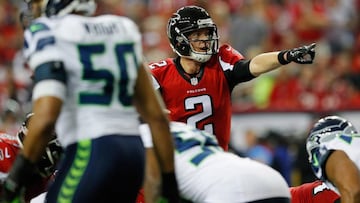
(63, 7)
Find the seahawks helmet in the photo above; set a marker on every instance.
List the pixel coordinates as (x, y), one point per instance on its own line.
(63, 7)
(325, 130)
(46, 166)
(185, 21)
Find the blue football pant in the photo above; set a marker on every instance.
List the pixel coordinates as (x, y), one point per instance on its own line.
(106, 169)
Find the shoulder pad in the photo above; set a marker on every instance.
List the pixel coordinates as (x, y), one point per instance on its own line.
(229, 55)
(160, 64)
(37, 36)
(9, 139)
(226, 48)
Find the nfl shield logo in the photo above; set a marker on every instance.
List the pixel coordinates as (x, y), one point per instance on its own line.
(194, 81)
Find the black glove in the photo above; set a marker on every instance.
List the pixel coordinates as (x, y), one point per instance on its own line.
(20, 175)
(170, 192)
(301, 55)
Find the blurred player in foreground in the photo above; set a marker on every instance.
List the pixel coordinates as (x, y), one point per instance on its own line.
(333, 146)
(33, 11)
(91, 85)
(10, 146)
(206, 173)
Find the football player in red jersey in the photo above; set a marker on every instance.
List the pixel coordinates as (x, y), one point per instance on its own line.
(196, 86)
(9, 148)
(313, 192)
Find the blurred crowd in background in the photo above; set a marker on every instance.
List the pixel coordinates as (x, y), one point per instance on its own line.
(251, 26)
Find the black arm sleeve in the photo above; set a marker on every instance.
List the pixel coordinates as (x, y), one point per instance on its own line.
(240, 73)
(51, 70)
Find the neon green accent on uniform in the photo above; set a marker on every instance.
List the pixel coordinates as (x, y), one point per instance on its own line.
(316, 161)
(75, 172)
(83, 153)
(72, 182)
(66, 192)
(16, 200)
(36, 27)
(162, 200)
(80, 163)
(77, 169)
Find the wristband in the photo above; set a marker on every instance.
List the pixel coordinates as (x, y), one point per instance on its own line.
(281, 58)
(169, 187)
(169, 179)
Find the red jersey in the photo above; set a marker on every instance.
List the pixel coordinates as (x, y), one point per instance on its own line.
(9, 147)
(202, 100)
(314, 192)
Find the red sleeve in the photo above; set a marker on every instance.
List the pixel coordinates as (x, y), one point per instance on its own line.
(8, 154)
(159, 69)
(313, 192)
(229, 55)
(140, 197)
(301, 194)
(9, 148)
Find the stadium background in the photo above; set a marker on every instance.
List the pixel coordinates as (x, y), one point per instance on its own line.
(271, 113)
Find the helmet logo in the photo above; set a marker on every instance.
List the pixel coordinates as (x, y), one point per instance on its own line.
(174, 18)
(179, 39)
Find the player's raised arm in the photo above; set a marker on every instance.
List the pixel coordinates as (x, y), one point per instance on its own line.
(266, 62)
(85, 85)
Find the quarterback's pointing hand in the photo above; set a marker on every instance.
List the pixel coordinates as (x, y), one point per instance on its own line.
(301, 55)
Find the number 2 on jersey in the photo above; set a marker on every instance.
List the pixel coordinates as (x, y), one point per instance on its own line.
(205, 102)
(104, 74)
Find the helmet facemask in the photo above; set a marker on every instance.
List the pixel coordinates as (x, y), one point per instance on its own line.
(211, 46)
